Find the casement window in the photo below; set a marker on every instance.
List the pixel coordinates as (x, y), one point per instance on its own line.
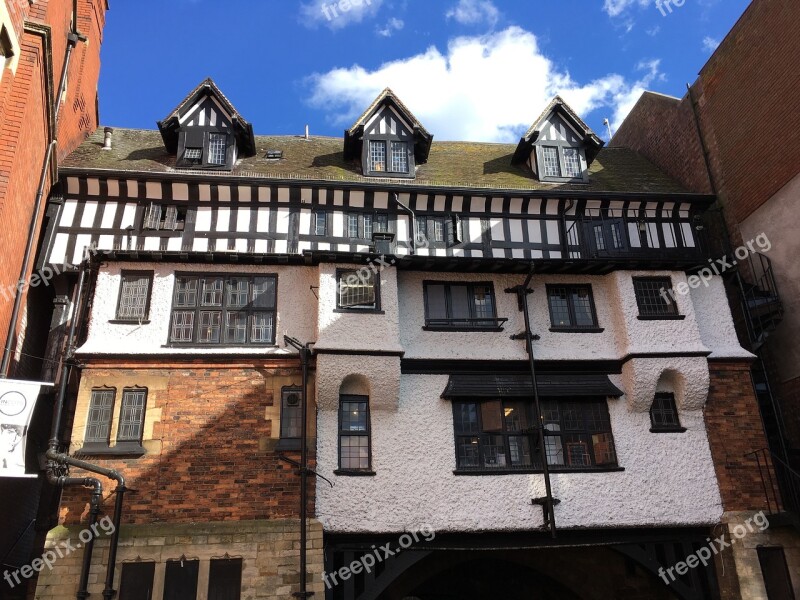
(664, 414)
(134, 296)
(200, 148)
(180, 579)
(225, 579)
(217, 148)
(352, 226)
(224, 310)
(160, 217)
(390, 157)
(355, 453)
(363, 226)
(494, 435)
(571, 308)
(465, 306)
(98, 424)
(561, 162)
(320, 223)
(578, 434)
(136, 582)
(131, 417)
(439, 232)
(655, 298)
(357, 289)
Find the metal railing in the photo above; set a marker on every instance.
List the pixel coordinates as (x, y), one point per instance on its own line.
(781, 491)
(760, 298)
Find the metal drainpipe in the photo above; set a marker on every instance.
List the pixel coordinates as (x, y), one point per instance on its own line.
(522, 292)
(305, 352)
(64, 459)
(413, 228)
(72, 40)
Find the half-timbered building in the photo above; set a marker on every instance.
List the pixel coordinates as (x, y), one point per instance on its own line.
(511, 371)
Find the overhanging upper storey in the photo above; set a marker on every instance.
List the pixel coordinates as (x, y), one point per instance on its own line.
(205, 131)
(559, 146)
(388, 139)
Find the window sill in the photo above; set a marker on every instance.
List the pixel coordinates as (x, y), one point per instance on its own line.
(668, 430)
(577, 329)
(366, 311)
(354, 473)
(220, 346)
(288, 445)
(502, 472)
(133, 450)
(129, 321)
(661, 317)
(478, 329)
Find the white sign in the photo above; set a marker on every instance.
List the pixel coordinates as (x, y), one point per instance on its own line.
(17, 400)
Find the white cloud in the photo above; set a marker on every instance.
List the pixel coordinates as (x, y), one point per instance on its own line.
(474, 12)
(653, 31)
(329, 13)
(617, 7)
(485, 88)
(391, 26)
(710, 44)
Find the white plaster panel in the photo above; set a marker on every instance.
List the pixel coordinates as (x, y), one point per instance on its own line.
(668, 479)
(381, 372)
(357, 330)
(109, 212)
(89, 211)
(153, 190)
(68, 213)
(686, 377)
(714, 320)
(295, 303)
(180, 191)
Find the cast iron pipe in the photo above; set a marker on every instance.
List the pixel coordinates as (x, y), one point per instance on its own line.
(305, 352)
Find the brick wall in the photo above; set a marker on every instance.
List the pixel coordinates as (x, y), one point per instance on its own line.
(209, 434)
(663, 130)
(25, 99)
(734, 429)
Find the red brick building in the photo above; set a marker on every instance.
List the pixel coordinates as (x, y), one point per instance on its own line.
(727, 136)
(49, 68)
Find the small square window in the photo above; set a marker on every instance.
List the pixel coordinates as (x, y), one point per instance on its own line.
(134, 296)
(357, 289)
(381, 223)
(193, 156)
(664, 413)
(655, 297)
(572, 163)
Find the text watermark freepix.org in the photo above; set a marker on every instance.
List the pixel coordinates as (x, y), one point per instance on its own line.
(367, 562)
(715, 546)
(717, 267)
(665, 6)
(332, 10)
(104, 526)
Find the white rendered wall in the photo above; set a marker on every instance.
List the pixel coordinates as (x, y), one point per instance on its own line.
(669, 479)
(296, 310)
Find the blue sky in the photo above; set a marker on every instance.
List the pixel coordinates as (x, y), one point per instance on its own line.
(479, 70)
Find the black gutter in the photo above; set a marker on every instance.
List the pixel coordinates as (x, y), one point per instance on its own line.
(305, 354)
(548, 502)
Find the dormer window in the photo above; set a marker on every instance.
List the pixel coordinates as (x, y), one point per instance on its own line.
(217, 148)
(559, 146)
(388, 139)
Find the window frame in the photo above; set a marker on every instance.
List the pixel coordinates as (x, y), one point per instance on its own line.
(669, 315)
(574, 328)
(672, 408)
(181, 215)
(388, 141)
(536, 465)
(97, 444)
(223, 309)
(199, 137)
(131, 444)
(324, 216)
(127, 575)
(368, 471)
(149, 275)
(214, 582)
(560, 147)
(493, 324)
(375, 309)
(287, 442)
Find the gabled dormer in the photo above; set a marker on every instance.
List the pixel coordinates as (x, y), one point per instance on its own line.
(205, 131)
(387, 139)
(559, 146)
